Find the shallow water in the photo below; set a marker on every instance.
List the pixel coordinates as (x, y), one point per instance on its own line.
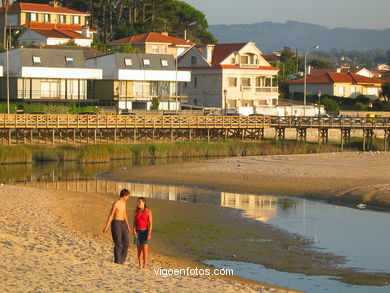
(317, 284)
(358, 235)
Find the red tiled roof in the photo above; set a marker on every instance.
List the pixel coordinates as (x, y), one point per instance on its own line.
(222, 51)
(59, 34)
(17, 7)
(44, 25)
(270, 57)
(335, 77)
(152, 38)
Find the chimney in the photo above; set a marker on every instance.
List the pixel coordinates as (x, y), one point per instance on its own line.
(85, 32)
(54, 3)
(309, 70)
(165, 34)
(208, 52)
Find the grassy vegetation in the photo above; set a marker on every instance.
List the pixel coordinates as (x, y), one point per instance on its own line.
(15, 154)
(107, 152)
(70, 108)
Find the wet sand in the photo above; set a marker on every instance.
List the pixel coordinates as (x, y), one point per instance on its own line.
(41, 252)
(347, 178)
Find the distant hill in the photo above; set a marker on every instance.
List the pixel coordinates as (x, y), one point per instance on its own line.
(271, 36)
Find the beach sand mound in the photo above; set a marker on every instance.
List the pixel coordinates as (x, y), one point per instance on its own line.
(39, 255)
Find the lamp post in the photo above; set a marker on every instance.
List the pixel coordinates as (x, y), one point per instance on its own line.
(8, 47)
(319, 104)
(225, 103)
(305, 85)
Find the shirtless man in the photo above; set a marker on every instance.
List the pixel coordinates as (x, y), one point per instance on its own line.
(120, 227)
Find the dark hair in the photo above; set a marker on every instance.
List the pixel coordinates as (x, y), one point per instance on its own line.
(144, 200)
(124, 192)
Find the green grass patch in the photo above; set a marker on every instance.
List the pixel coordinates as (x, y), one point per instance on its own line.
(15, 155)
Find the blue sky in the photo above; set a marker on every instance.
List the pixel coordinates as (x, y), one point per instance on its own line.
(371, 14)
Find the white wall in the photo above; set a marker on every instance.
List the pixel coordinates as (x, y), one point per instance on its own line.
(54, 72)
(153, 75)
(326, 89)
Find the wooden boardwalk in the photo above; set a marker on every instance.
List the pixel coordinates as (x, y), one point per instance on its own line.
(56, 129)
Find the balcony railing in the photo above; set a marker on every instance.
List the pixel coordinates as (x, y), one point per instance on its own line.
(266, 89)
(249, 65)
(50, 95)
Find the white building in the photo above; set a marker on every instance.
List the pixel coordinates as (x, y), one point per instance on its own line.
(56, 37)
(234, 77)
(133, 80)
(46, 75)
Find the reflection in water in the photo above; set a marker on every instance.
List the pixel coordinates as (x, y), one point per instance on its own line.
(259, 207)
(166, 192)
(50, 171)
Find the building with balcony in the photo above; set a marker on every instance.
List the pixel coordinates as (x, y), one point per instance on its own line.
(46, 75)
(48, 24)
(234, 77)
(131, 81)
(154, 43)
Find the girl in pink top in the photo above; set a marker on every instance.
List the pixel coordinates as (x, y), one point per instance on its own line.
(142, 229)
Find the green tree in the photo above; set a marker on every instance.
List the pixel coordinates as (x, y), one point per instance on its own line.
(385, 94)
(155, 104)
(361, 107)
(330, 104)
(363, 100)
(321, 63)
(125, 49)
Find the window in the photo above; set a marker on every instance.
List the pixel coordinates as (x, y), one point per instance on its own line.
(195, 81)
(372, 91)
(61, 18)
(37, 60)
(164, 63)
(244, 59)
(233, 60)
(194, 60)
(75, 19)
(32, 16)
(353, 89)
(246, 81)
(155, 49)
(46, 18)
(164, 50)
(341, 90)
(128, 62)
(232, 82)
(147, 62)
(69, 61)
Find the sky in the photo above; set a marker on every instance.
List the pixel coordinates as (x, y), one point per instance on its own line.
(367, 14)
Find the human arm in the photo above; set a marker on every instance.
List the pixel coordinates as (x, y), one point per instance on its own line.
(127, 222)
(110, 217)
(150, 225)
(134, 225)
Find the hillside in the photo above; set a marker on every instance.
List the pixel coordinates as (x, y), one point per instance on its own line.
(271, 36)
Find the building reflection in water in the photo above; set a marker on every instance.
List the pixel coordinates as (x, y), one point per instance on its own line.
(259, 207)
(166, 192)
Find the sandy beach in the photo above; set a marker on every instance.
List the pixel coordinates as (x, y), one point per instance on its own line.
(41, 253)
(348, 178)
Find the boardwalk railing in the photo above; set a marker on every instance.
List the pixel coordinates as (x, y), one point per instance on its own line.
(50, 121)
(62, 128)
(333, 122)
